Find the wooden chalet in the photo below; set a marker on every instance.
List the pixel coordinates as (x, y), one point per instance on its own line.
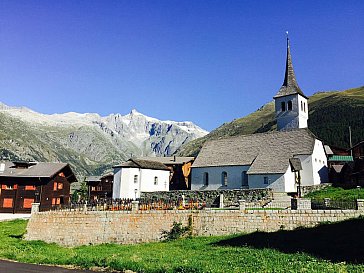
(180, 170)
(23, 183)
(358, 171)
(100, 187)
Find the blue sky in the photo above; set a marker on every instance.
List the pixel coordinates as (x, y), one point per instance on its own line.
(205, 61)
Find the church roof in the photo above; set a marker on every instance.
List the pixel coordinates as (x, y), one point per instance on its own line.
(290, 86)
(265, 152)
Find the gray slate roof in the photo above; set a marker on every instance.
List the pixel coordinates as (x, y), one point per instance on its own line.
(169, 160)
(289, 86)
(143, 164)
(93, 178)
(39, 169)
(265, 152)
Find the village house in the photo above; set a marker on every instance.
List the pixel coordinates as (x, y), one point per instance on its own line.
(99, 187)
(136, 176)
(23, 183)
(180, 167)
(263, 160)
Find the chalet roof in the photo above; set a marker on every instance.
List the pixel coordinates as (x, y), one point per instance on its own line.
(169, 160)
(265, 152)
(93, 178)
(143, 164)
(38, 169)
(289, 86)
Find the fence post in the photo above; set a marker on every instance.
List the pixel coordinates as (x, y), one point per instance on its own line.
(134, 206)
(360, 204)
(300, 203)
(241, 205)
(183, 200)
(35, 208)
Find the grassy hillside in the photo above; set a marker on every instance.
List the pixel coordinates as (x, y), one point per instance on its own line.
(330, 115)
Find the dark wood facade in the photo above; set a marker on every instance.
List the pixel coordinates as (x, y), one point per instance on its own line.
(18, 192)
(100, 187)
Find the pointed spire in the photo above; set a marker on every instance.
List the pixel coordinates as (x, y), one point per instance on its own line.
(290, 86)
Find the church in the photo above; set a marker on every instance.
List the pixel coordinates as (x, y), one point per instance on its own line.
(267, 160)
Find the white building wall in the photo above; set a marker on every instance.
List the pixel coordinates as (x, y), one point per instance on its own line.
(124, 186)
(319, 164)
(234, 177)
(291, 119)
(275, 181)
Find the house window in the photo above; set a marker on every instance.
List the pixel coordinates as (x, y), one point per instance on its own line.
(206, 179)
(266, 180)
(56, 201)
(61, 175)
(54, 186)
(135, 178)
(155, 180)
(289, 105)
(99, 188)
(93, 188)
(60, 186)
(27, 203)
(7, 187)
(8, 203)
(283, 106)
(244, 179)
(224, 179)
(30, 188)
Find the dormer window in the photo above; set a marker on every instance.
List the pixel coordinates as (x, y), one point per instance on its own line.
(289, 105)
(283, 106)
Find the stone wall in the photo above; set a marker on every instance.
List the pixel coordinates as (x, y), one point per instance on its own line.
(308, 189)
(212, 197)
(73, 228)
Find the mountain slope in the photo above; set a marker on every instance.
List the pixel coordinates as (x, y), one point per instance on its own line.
(90, 143)
(330, 115)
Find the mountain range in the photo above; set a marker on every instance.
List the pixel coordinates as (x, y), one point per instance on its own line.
(90, 143)
(330, 115)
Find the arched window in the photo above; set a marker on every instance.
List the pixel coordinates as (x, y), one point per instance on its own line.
(283, 106)
(155, 180)
(244, 179)
(136, 178)
(224, 178)
(304, 107)
(289, 105)
(206, 179)
(301, 106)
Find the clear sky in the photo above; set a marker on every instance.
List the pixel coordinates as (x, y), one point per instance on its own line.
(205, 61)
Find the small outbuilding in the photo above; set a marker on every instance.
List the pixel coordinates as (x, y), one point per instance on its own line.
(135, 176)
(100, 187)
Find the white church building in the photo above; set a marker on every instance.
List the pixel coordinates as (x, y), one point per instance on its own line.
(263, 160)
(135, 176)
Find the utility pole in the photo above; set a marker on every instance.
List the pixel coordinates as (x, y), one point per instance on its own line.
(351, 144)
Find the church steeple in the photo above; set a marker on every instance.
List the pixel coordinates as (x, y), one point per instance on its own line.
(290, 86)
(290, 102)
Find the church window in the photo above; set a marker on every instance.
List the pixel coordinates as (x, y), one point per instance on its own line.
(289, 105)
(135, 178)
(301, 106)
(244, 179)
(224, 179)
(266, 180)
(304, 107)
(155, 180)
(283, 106)
(206, 179)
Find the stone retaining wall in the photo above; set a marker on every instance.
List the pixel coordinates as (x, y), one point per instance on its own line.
(73, 228)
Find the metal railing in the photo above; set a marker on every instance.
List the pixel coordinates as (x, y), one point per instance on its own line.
(328, 204)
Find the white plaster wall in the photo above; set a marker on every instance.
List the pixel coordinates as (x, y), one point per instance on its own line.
(275, 181)
(147, 180)
(234, 176)
(306, 172)
(116, 188)
(124, 186)
(319, 164)
(295, 118)
(289, 181)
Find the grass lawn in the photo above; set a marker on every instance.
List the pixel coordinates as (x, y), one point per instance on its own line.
(239, 253)
(337, 193)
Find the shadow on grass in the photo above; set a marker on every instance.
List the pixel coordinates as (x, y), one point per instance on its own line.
(337, 242)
